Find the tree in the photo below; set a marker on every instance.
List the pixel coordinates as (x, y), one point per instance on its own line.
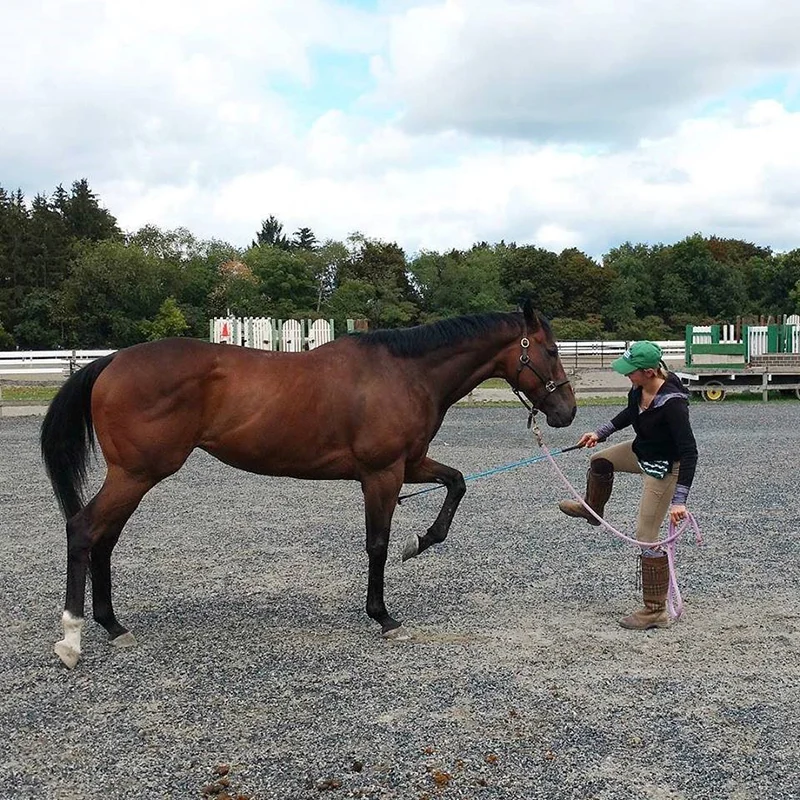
(38, 328)
(381, 265)
(6, 339)
(285, 280)
(14, 255)
(566, 329)
(112, 290)
(794, 298)
(632, 294)
(531, 272)
(585, 284)
(84, 217)
(271, 234)
(169, 321)
(329, 261)
(782, 281)
(304, 239)
(458, 282)
(50, 247)
(236, 291)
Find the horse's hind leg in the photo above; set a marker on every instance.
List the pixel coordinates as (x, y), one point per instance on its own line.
(102, 607)
(380, 499)
(430, 471)
(94, 531)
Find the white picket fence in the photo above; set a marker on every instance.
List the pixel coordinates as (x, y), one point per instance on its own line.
(757, 336)
(265, 333)
(701, 334)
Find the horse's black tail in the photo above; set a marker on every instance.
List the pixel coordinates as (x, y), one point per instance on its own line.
(67, 436)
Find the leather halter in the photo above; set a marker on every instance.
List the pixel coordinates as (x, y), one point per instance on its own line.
(549, 386)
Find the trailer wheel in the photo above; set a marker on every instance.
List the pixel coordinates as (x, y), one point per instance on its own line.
(713, 392)
(797, 393)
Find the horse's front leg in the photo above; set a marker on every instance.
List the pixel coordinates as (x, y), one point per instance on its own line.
(430, 471)
(380, 498)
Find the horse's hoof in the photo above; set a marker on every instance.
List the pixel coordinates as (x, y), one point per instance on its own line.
(69, 655)
(411, 547)
(400, 634)
(126, 639)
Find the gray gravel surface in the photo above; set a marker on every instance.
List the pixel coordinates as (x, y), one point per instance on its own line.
(256, 658)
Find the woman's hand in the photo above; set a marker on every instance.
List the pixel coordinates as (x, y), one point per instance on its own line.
(677, 514)
(588, 440)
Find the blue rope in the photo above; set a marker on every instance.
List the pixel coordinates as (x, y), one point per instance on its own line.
(523, 463)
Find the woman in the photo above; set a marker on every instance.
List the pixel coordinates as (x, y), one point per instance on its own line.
(664, 452)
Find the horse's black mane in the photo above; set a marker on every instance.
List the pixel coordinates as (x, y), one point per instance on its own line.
(422, 339)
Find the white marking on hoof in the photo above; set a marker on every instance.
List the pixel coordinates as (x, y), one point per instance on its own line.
(411, 548)
(69, 655)
(126, 639)
(400, 634)
(69, 648)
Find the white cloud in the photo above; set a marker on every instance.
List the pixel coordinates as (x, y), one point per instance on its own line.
(605, 70)
(179, 115)
(732, 175)
(153, 89)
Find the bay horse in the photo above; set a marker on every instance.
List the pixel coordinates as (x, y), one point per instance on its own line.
(363, 407)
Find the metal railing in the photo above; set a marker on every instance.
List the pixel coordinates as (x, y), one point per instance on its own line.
(577, 355)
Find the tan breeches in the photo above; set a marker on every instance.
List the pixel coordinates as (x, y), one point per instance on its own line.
(656, 494)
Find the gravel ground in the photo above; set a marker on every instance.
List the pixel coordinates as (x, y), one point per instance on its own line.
(258, 675)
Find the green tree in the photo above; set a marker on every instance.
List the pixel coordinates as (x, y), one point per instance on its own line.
(794, 299)
(50, 246)
(304, 239)
(782, 280)
(6, 339)
(38, 327)
(458, 282)
(566, 329)
(112, 290)
(585, 284)
(191, 269)
(15, 277)
(529, 271)
(236, 291)
(328, 264)
(169, 321)
(632, 293)
(381, 265)
(271, 234)
(286, 280)
(84, 217)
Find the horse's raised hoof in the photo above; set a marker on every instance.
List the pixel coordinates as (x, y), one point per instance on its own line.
(126, 639)
(69, 655)
(399, 634)
(411, 548)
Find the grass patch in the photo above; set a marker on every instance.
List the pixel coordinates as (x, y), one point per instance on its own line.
(494, 383)
(28, 394)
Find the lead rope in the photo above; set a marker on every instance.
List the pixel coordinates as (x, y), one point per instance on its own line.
(674, 599)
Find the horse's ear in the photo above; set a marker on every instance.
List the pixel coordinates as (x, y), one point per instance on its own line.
(530, 314)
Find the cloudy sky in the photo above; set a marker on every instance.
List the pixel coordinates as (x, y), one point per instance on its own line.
(434, 124)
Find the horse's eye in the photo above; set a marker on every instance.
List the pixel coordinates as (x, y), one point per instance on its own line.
(552, 351)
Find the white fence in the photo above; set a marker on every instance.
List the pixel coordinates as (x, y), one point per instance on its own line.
(701, 334)
(264, 333)
(293, 336)
(46, 362)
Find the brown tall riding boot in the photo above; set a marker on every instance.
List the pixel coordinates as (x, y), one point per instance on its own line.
(599, 482)
(655, 585)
